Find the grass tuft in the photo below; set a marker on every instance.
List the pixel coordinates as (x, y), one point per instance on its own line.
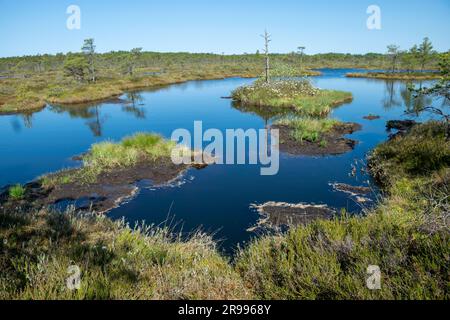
(308, 129)
(107, 156)
(17, 192)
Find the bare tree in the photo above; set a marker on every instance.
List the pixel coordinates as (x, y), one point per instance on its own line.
(89, 50)
(267, 40)
(301, 51)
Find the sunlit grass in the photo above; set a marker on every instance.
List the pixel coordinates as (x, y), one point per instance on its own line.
(298, 95)
(115, 261)
(107, 156)
(309, 129)
(17, 192)
(425, 149)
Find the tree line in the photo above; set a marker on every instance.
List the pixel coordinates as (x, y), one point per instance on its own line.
(88, 63)
(419, 55)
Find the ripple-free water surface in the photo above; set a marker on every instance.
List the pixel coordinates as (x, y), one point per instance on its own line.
(217, 198)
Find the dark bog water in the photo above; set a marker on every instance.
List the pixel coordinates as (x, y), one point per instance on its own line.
(217, 198)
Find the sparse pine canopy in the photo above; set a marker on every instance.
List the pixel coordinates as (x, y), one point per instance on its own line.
(425, 50)
(393, 52)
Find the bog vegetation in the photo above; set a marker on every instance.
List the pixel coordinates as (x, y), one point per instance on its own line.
(412, 64)
(299, 96)
(406, 234)
(108, 156)
(28, 83)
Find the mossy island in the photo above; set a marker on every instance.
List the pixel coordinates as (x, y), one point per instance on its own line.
(298, 96)
(304, 127)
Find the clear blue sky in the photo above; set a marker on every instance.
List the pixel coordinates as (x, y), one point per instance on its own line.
(231, 26)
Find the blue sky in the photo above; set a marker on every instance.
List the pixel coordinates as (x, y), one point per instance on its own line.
(231, 26)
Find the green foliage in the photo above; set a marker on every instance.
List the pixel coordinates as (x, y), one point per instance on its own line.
(107, 156)
(75, 66)
(309, 129)
(393, 52)
(439, 90)
(329, 260)
(425, 149)
(406, 235)
(116, 262)
(424, 52)
(132, 59)
(298, 95)
(153, 145)
(16, 192)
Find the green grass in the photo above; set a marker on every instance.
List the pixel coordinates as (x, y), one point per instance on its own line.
(116, 262)
(406, 235)
(329, 259)
(298, 95)
(406, 238)
(17, 192)
(424, 150)
(107, 156)
(153, 145)
(308, 129)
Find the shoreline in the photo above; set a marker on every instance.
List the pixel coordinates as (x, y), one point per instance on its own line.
(394, 76)
(118, 88)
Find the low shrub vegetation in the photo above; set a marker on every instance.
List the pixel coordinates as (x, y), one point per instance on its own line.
(114, 260)
(329, 259)
(406, 235)
(424, 150)
(299, 95)
(309, 129)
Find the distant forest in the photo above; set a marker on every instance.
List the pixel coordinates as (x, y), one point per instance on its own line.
(114, 63)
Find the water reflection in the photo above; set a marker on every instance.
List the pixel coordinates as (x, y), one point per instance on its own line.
(391, 99)
(89, 112)
(225, 191)
(132, 104)
(414, 103)
(27, 119)
(268, 114)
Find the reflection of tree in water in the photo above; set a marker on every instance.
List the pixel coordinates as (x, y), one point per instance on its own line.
(88, 111)
(27, 120)
(390, 99)
(96, 124)
(414, 103)
(393, 98)
(266, 113)
(134, 101)
(92, 112)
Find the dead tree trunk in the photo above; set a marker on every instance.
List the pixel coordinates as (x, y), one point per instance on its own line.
(267, 40)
